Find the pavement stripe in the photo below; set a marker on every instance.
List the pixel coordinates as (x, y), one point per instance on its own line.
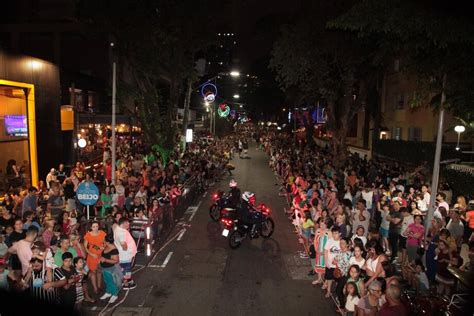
(193, 213)
(146, 296)
(167, 259)
(182, 233)
(204, 195)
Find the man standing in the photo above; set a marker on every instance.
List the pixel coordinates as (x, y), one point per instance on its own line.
(394, 229)
(30, 202)
(55, 202)
(361, 217)
(331, 250)
(22, 249)
(127, 250)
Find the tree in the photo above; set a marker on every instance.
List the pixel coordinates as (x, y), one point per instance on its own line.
(327, 65)
(155, 42)
(435, 39)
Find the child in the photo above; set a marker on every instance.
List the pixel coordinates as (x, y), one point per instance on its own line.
(352, 298)
(82, 270)
(418, 278)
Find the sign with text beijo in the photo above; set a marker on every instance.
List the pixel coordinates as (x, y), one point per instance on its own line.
(87, 193)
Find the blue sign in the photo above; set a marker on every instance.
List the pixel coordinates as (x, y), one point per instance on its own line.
(87, 193)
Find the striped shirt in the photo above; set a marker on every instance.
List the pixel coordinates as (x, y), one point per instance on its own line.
(38, 279)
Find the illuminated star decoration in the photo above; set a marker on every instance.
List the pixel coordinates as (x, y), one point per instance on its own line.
(223, 110)
(209, 92)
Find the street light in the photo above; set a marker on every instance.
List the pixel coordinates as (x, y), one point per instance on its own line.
(81, 143)
(459, 129)
(235, 73)
(236, 96)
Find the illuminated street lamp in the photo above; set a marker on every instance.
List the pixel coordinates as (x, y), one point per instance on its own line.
(235, 73)
(236, 96)
(81, 143)
(459, 129)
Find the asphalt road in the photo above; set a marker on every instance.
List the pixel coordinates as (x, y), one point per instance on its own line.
(196, 273)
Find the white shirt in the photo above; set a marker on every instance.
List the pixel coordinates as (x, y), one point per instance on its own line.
(368, 197)
(122, 235)
(351, 303)
(357, 222)
(407, 220)
(426, 198)
(353, 261)
(334, 248)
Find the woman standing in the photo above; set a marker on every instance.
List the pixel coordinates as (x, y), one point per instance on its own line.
(110, 269)
(106, 199)
(319, 243)
(373, 264)
(94, 244)
(415, 232)
(370, 304)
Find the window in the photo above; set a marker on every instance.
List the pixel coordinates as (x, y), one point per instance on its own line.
(414, 134)
(399, 101)
(397, 133)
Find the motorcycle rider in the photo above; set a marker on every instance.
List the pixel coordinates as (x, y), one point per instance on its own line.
(246, 210)
(234, 195)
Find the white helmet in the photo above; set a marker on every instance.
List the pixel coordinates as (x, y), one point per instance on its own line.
(233, 183)
(248, 196)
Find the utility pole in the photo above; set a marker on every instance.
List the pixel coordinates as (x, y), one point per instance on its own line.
(114, 142)
(187, 101)
(439, 140)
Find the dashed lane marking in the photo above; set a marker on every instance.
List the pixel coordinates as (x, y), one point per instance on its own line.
(182, 233)
(204, 195)
(167, 259)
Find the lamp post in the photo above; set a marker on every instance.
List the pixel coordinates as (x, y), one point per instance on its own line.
(459, 129)
(114, 92)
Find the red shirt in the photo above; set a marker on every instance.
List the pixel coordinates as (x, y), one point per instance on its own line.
(395, 310)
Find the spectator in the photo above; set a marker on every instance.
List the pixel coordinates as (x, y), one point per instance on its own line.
(393, 306)
(352, 298)
(370, 304)
(320, 240)
(22, 249)
(30, 202)
(64, 246)
(67, 293)
(111, 270)
(331, 249)
(94, 245)
(415, 232)
(127, 251)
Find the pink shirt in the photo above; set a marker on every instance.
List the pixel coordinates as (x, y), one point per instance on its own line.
(22, 249)
(416, 230)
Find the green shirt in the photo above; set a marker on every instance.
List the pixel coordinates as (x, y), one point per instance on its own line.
(58, 256)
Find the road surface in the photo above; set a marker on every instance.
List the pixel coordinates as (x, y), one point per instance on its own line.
(196, 273)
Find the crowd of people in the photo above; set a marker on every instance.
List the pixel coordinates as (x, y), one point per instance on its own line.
(50, 250)
(363, 226)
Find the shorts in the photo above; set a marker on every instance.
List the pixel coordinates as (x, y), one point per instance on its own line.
(383, 232)
(402, 242)
(329, 274)
(126, 269)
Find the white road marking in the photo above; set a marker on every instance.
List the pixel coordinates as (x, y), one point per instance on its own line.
(182, 233)
(204, 195)
(167, 259)
(94, 308)
(192, 214)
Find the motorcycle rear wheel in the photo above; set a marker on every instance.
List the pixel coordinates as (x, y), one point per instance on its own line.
(214, 213)
(267, 228)
(235, 239)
